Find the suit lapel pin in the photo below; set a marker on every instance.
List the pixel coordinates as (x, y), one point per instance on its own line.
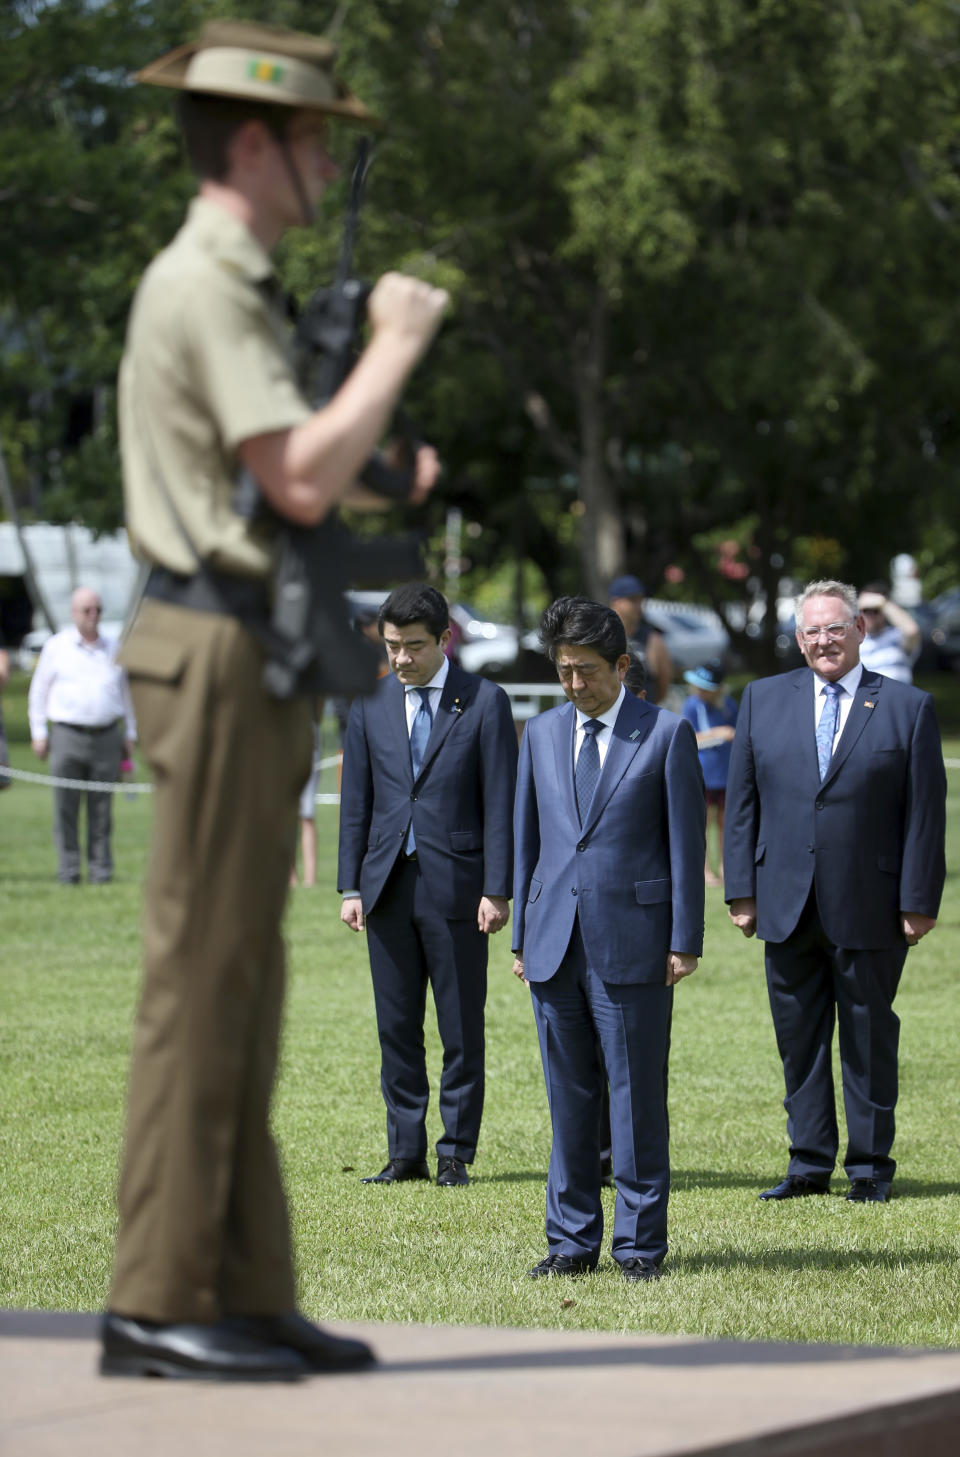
(635, 734)
(456, 706)
(867, 703)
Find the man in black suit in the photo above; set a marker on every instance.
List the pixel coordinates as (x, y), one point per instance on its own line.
(426, 861)
(834, 855)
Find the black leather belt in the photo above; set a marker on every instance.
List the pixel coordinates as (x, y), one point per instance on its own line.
(208, 590)
(86, 728)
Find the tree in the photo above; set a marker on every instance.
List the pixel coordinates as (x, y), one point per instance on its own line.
(700, 252)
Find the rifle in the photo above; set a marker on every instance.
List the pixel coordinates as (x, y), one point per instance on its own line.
(311, 647)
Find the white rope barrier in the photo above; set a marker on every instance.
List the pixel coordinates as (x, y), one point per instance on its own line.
(127, 786)
(123, 786)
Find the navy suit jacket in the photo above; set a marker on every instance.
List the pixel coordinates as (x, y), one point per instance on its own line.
(870, 837)
(460, 802)
(634, 871)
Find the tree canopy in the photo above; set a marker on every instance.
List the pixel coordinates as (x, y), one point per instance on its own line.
(700, 253)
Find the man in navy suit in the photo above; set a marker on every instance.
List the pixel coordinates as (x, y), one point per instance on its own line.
(426, 857)
(834, 855)
(608, 910)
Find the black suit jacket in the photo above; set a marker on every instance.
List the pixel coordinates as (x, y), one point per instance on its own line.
(461, 803)
(870, 836)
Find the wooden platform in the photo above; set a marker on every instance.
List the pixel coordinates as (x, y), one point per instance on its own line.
(492, 1392)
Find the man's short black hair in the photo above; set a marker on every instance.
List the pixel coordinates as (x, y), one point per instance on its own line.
(580, 622)
(209, 123)
(416, 602)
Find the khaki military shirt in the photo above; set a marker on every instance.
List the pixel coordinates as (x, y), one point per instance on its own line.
(206, 366)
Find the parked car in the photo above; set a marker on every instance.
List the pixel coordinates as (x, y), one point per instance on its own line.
(944, 630)
(482, 646)
(693, 634)
(479, 645)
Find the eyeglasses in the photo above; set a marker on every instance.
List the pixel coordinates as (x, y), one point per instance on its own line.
(834, 630)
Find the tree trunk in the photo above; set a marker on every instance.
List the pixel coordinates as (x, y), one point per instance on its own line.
(602, 536)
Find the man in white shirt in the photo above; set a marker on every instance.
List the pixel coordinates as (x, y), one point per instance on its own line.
(78, 697)
(834, 856)
(892, 642)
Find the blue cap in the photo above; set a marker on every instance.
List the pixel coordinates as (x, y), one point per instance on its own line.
(628, 586)
(707, 675)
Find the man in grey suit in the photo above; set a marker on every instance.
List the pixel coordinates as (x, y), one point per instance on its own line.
(834, 856)
(608, 914)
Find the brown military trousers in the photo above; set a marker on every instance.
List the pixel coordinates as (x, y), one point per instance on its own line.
(203, 1220)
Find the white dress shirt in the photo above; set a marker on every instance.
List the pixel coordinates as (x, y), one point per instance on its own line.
(603, 735)
(412, 699)
(411, 703)
(78, 682)
(848, 684)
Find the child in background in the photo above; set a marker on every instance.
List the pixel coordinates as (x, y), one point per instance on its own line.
(713, 714)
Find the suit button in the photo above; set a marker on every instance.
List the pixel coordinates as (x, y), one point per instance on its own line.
(573, 890)
(581, 846)
(819, 804)
(413, 800)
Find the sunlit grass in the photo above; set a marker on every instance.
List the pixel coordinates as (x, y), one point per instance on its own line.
(813, 1270)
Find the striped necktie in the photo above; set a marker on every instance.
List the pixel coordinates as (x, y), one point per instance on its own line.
(588, 766)
(827, 726)
(419, 736)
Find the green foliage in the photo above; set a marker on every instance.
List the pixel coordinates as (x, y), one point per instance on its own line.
(701, 254)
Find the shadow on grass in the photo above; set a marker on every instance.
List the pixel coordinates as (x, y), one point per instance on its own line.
(808, 1259)
(684, 1181)
(519, 1176)
(917, 1189)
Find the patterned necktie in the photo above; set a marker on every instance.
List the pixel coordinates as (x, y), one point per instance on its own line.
(827, 727)
(588, 766)
(419, 734)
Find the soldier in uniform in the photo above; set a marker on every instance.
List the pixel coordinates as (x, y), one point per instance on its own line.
(203, 1282)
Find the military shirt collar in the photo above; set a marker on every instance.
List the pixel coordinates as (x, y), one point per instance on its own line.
(228, 240)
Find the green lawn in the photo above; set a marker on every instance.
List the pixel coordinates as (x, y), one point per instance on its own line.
(813, 1270)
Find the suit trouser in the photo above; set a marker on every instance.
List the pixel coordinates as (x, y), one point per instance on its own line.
(411, 944)
(203, 1219)
(93, 754)
(575, 1012)
(812, 984)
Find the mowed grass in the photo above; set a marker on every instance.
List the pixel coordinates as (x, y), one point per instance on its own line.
(812, 1270)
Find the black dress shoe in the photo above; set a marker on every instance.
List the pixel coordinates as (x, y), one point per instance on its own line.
(563, 1265)
(868, 1191)
(637, 1268)
(795, 1186)
(397, 1170)
(320, 1350)
(451, 1172)
(215, 1352)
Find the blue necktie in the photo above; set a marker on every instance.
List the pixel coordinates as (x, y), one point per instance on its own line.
(588, 766)
(827, 727)
(419, 735)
